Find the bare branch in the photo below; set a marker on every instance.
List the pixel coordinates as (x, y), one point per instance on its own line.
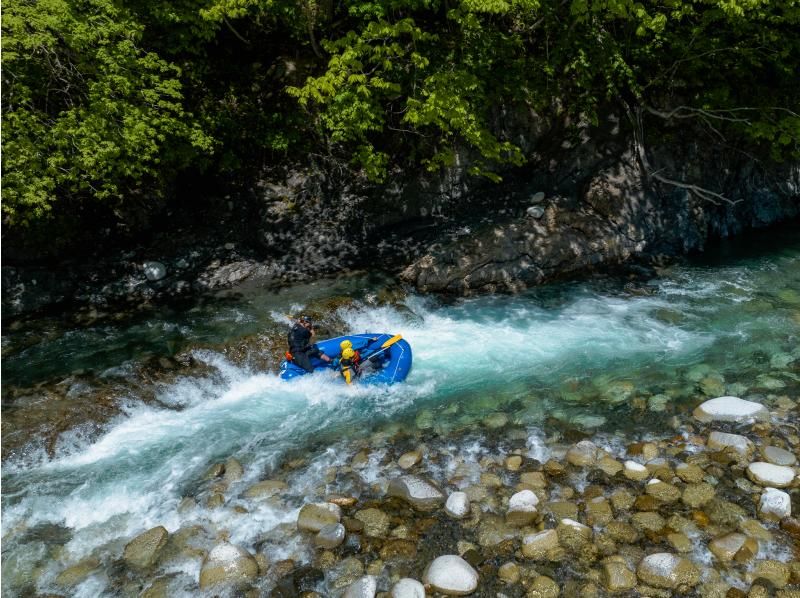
(701, 192)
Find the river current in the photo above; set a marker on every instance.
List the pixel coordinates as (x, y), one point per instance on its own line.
(582, 355)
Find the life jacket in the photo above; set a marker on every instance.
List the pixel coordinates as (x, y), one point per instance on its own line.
(350, 367)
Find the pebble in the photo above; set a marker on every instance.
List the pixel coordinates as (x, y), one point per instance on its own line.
(778, 456)
(731, 409)
(451, 575)
(774, 504)
(154, 271)
(662, 491)
(457, 505)
(776, 572)
(696, 495)
(767, 474)
(513, 463)
(408, 588)
(265, 489)
(409, 459)
(543, 587)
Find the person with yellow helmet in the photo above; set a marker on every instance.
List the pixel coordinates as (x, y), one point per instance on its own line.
(349, 362)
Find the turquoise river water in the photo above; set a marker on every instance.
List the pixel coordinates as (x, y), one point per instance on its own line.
(579, 353)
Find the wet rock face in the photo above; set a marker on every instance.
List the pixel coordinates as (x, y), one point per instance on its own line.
(314, 517)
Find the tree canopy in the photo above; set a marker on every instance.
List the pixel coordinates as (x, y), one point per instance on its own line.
(105, 101)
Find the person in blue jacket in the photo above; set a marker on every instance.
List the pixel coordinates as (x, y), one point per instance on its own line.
(301, 349)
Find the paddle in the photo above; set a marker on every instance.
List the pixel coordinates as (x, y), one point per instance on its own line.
(384, 346)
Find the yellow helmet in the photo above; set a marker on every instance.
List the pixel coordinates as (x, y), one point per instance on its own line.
(348, 353)
(346, 345)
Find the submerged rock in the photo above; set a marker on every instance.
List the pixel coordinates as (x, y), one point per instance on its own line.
(142, 552)
(668, 571)
(376, 522)
(540, 545)
(409, 459)
(767, 474)
(418, 492)
(734, 546)
(582, 454)
(451, 575)
(72, 576)
(635, 471)
(741, 445)
(330, 536)
(227, 564)
(617, 577)
(314, 516)
(731, 409)
(366, 587)
(265, 489)
(522, 508)
(154, 271)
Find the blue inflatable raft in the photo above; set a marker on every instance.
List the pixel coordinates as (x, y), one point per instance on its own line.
(389, 366)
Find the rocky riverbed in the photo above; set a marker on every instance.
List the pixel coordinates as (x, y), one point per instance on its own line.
(493, 508)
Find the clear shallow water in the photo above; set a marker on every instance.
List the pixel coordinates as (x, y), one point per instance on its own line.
(579, 353)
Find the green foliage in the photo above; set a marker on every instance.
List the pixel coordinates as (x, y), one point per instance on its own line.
(105, 100)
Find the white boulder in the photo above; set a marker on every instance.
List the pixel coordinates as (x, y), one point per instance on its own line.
(767, 474)
(451, 575)
(775, 504)
(731, 409)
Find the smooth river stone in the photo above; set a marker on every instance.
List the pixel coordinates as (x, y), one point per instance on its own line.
(767, 474)
(522, 508)
(731, 409)
(726, 547)
(409, 459)
(330, 536)
(451, 575)
(366, 587)
(720, 441)
(408, 588)
(314, 516)
(418, 492)
(778, 456)
(457, 505)
(536, 546)
(582, 454)
(668, 571)
(227, 564)
(775, 504)
(635, 471)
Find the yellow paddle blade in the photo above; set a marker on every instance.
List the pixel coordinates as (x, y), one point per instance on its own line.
(392, 341)
(347, 376)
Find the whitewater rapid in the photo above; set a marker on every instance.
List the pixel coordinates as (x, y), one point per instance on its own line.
(136, 474)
